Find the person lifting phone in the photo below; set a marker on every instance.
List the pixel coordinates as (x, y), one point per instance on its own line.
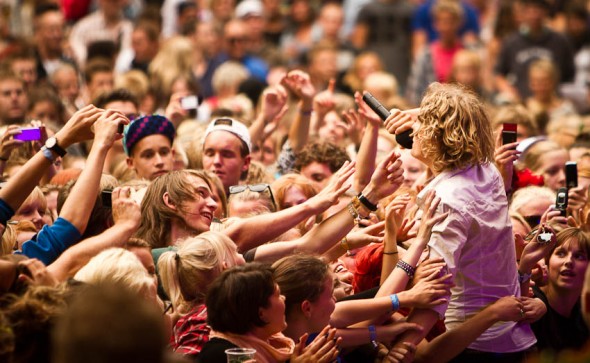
(452, 135)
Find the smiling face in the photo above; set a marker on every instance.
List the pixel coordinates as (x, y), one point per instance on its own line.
(197, 214)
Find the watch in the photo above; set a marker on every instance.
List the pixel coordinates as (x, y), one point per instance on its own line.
(51, 144)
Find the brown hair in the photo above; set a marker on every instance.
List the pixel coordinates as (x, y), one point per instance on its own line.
(281, 186)
(156, 216)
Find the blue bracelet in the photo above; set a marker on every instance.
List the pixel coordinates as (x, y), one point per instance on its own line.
(373, 335)
(394, 302)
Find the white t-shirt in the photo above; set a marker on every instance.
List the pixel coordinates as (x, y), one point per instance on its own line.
(477, 244)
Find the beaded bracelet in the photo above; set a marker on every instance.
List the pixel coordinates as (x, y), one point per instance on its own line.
(345, 246)
(394, 302)
(373, 336)
(408, 269)
(354, 213)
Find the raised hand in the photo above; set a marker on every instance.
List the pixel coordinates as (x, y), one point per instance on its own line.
(324, 101)
(299, 83)
(399, 121)
(364, 236)
(125, 209)
(430, 291)
(386, 179)
(365, 111)
(394, 213)
(536, 249)
(8, 142)
(429, 220)
(106, 127)
(79, 127)
(174, 110)
(402, 354)
(333, 191)
(505, 156)
(274, 101)
(323, 349)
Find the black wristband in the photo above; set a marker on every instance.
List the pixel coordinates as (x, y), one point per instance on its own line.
(370, 206)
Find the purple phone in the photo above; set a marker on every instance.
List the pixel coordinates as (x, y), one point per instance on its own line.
(29, 134)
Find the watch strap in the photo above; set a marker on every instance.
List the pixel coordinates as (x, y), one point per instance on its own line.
(370, 206)
(56, 148)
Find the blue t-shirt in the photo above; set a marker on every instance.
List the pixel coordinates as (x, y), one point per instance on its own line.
(6, 212)
(423, 20)
(51, 241)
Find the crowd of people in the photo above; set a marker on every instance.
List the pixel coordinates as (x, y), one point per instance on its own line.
(184, 177)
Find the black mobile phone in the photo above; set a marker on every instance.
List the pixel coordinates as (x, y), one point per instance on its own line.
(561, 201)
(571, 174)
(508, 133)
(106, 197)
(121, 128)
(405, 138)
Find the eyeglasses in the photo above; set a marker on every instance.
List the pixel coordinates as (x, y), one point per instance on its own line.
(257, 188)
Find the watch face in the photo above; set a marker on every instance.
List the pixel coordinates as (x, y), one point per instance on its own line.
(50, 142)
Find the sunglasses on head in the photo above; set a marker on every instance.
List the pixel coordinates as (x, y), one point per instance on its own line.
(532, 221)
(257, 188)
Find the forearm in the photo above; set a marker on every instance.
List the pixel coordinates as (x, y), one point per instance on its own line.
(256, 129)
(78, 255)
(326, 234)
(365, 159)
(299, 131)
(426, 319)
(390, 255)
(397, 280)
(449, 344)
(353, 337)
(79, 204)
(18, 188)
(351, 312)
(334, 253)
(252, 232)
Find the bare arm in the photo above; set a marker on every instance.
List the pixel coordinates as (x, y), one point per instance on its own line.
(449, 344)
(300, 85)
(367, 153)
(274, 102)
(77, 129)
(126, 214)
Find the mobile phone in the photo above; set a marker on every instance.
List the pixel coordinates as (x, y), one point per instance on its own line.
(121, 128)
(29, 134)
(508, 133)
(106, 197)
(561, 201)
(190, 102)
(405, 138)
(571, 174)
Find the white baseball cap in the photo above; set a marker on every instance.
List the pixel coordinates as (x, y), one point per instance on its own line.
(249, 8)
(230, 125)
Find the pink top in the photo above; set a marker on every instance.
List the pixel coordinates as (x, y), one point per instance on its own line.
(442, 59)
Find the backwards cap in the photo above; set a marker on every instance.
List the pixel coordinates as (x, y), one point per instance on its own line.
(235, 127)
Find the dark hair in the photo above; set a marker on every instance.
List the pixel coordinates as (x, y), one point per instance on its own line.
(234, 299)
(43, 8)
(323, 153)
(300, 278)
(96, 65)
(119, 94)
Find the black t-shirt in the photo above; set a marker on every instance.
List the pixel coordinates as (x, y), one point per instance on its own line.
(214, 351)
(557, 332)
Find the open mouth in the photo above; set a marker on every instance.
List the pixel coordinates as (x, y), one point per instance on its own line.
(568, 273)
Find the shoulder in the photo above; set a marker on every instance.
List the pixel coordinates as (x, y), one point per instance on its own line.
(214, 351)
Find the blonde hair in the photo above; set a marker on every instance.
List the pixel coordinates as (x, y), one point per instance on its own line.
(135, 81)
(174, 60)
(117, 265)
(9, 240)
(264, 199)
(516, 114)
(352, 79)
(532, 156)
(187, 272)
(156, 216)
(36, 194)
(257, 174)
(524, 196)
(450, 6)
(455, 131)
(229, 75)
(387, 84)
(547, 67)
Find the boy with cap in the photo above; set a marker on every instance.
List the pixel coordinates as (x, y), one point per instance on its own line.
(226, 151)
(148, 144)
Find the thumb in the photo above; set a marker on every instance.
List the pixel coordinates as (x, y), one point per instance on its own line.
(331, 85)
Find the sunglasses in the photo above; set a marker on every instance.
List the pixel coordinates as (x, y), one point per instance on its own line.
(257, 188)
(532, 221)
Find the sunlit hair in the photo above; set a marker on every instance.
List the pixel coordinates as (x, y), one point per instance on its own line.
(156, 216)
(516, 114)
(524, 196)
(352, 79)
(532, 156)
(282, 185)
(187, 272)
(568, 236)
(547, 67)
(264, 202)
(119, 266)
(455, 131)
(257, 174)
(35, 196)
(9, 240)
(300, 278)
(218, 189)
(228, 76)
(448, 6)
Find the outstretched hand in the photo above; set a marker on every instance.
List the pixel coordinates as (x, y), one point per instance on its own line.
(387, 178)
(338, 185)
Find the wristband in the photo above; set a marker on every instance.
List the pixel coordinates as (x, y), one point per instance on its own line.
(390, 253)
(523, 277)
(408, 269)
(373, 335)
(345, 246)
(305, 112)
(394, 302)
(370, 206)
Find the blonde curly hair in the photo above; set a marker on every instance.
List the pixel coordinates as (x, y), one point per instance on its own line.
(455, 131)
